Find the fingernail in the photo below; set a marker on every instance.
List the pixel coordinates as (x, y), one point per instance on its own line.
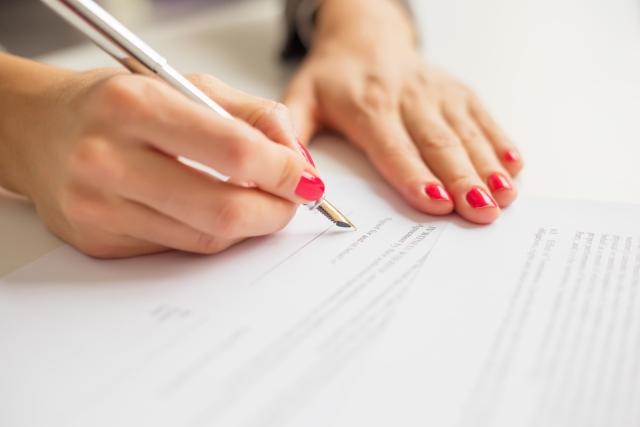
(310, 187)
(478, 198)
(498, 182)
(511, 156)
(306, 154)
(437, 192)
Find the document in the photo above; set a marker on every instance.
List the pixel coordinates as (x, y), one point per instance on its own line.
(531, 322)
(408, 321)
(264, 334)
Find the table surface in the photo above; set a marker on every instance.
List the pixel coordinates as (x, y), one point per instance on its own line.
(563, 77)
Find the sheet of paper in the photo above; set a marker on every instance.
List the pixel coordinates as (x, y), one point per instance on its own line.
(265, 334)
(532, 322)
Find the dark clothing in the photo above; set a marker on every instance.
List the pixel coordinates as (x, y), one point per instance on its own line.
(295, 45)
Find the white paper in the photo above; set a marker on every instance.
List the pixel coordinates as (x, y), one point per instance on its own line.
(533, 322)
(410, 321)
(269, 333)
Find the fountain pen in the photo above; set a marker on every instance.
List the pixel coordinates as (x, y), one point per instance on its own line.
(135, 55)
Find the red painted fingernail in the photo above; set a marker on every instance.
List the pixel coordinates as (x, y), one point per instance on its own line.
(437, 192)
(310, 187)
(511, 156)
(478, 198)
(498, 182)
(306, 154)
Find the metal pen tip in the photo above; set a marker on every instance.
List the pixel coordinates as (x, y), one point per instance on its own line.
(333, 214)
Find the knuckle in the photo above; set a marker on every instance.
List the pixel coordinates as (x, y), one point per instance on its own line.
(385, 148)
(230, 219)
(118, 91)
(207, 244)
(270, 107)
(240, 156)
(468, 133)
(375, 98)
(124, 98)
(372, 104)
(97, 159)
(413, 93)
(278, 109)
(268, 110)
(435, 139)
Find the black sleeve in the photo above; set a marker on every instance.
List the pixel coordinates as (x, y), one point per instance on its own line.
(293, 47)
(299, 13)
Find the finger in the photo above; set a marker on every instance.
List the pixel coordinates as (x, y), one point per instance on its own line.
(88, 225)
(301, 100)
(481, 153)
(139, 222)
(188, 196)
(505, 150)
(443, 151)
(130, 229)
(119, 247)
(394, 155)
(270, 117)
(104, 245)
(112, 227)
(177, 126)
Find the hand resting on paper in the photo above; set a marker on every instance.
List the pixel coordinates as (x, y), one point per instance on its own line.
(427, 133)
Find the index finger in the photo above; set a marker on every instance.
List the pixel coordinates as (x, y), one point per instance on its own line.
(162, 117)
(270, 117)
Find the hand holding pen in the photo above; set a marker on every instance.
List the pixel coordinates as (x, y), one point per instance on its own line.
(104, 160)
(99, 159)
(102, 172)
(138, 57)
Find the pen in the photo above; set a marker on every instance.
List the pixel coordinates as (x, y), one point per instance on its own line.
(135, 55)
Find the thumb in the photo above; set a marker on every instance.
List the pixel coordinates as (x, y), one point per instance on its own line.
(301, 100)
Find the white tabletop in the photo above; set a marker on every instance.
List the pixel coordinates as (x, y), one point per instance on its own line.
(563, 77)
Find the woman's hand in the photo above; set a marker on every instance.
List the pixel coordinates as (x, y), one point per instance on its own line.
(425, 132)
(96, 153)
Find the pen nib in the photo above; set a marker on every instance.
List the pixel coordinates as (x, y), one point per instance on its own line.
(334, 215)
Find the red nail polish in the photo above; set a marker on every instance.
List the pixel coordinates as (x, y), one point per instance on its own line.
(437, 192)
(310, 187)
(478, 198)
(498, 182)
(306, 154)
(511, 156)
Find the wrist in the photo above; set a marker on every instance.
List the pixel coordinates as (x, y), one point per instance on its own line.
(25, 109)
(356, 23)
